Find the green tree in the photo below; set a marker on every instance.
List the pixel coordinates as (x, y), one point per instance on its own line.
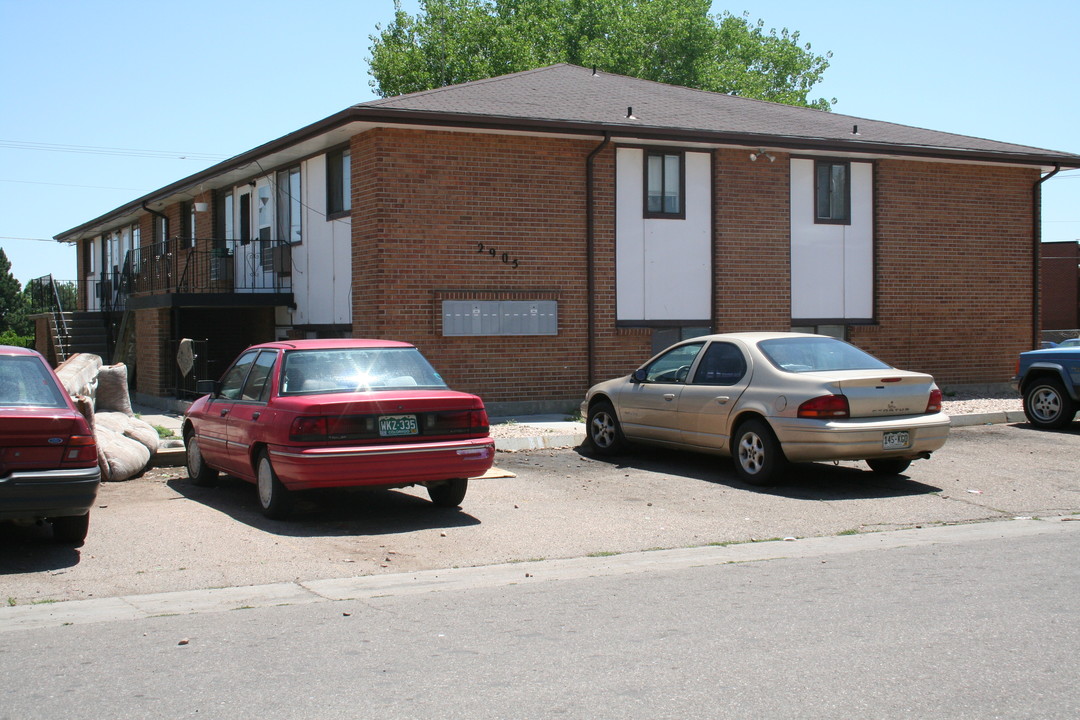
(671, 41)
(13, 305)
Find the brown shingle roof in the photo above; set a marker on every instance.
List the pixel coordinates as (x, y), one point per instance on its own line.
(572, 96)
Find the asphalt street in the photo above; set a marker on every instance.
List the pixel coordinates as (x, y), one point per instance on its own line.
(971, 621)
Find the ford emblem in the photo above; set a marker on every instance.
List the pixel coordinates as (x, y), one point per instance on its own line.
(56, 441)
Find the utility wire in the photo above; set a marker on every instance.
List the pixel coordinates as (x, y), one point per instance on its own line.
(92, 150)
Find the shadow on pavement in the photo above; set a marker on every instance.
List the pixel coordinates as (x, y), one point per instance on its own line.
(31, 548)
(803, 481)
(328, 513)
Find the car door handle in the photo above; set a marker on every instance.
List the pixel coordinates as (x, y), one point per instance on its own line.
(224, 412)
(723, 399)
(669, 396)
(255, 415)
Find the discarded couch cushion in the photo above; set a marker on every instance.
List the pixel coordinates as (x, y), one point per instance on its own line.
(112, 389)
(119, 457)
(131, 427)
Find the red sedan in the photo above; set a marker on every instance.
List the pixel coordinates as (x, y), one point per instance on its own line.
(305, 414)
(48, 457)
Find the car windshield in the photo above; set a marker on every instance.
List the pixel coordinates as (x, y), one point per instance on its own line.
(358, 370)
(26, 382)
(814, 354)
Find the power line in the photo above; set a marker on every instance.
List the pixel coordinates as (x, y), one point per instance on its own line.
(93, 150)
(91, 187)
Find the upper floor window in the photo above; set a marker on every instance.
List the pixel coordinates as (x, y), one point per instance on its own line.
(664, 185)
(832, 192)
(338, 182)
(289, 206)
(187, 225)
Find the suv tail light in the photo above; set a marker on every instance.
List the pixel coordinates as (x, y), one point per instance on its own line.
(826, 406)
(934, 404)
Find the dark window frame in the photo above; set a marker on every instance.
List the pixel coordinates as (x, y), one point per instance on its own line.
(845, 217)
(338, 185)
(664, 153)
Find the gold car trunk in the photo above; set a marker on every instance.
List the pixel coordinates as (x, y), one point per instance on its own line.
(876, 393)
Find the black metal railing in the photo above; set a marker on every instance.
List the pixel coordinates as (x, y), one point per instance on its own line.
(199, 266)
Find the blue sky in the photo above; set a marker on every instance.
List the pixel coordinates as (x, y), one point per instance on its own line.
(82, 84)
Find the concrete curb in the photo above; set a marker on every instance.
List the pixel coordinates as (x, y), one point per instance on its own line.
(993, 418)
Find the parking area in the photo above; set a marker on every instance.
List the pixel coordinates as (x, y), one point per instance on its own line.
(160, 533)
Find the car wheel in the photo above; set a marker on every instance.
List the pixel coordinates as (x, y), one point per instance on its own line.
(274, 498)
(759, 459)
(72, 529)
(888, 466)
(1047, 405)
(198, 471)
(448, 494)
(604, 430)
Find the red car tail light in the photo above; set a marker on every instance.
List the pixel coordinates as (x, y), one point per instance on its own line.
(456, 422)
(934, 404)
(826, 406)
(81, 451)
(308, 429)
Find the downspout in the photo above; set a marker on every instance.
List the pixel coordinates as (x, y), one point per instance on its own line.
(1036, 226)
(590, 273)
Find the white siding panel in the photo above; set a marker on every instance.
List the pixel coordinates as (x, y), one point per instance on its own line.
(322, 266)
(664, 267)
(832, 269)
(629, 235)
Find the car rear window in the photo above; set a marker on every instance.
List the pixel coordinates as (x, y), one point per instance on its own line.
(813, 354)
(358, 370)
(26, 382)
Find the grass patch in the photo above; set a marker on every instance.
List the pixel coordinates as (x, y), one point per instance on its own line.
(603, 553)
(164, 433)
(847, 532)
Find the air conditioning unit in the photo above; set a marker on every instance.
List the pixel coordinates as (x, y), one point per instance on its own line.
(281, 259)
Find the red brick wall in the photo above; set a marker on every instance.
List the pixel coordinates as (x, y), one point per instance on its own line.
(953, 257)
(423, 203)
(153, 342)
(752, 227)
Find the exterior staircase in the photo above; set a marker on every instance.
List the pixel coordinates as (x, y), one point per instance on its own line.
(86, 332)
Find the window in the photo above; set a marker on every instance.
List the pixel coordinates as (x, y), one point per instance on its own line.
(289, 206)
(832, 192)
(672, 366)
(187, 225)
(257, 387)
(233, 382)
(664, 185)
(161, 234)
(722, 364)
(338, 182)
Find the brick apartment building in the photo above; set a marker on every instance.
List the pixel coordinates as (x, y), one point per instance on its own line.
(536, 232)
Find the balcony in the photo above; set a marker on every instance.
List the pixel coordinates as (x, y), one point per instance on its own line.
(185, 273)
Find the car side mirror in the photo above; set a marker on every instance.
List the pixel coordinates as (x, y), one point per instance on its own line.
(638, 376)
(206, 387)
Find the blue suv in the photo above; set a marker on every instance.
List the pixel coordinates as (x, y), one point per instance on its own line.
(1049, 381)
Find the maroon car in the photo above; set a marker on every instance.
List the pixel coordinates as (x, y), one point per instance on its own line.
(305, 414)
(48, 457)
